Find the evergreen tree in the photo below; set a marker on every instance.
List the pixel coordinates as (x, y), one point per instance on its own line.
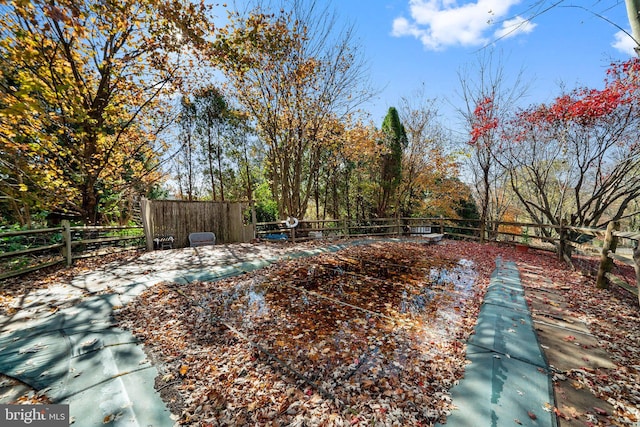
(394, 141)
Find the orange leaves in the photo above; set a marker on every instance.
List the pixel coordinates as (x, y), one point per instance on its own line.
(359, 142)
(89, 80)
(318, 317)
(297, 81)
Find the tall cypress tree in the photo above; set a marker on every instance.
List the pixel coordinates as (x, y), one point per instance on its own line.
(395, 141)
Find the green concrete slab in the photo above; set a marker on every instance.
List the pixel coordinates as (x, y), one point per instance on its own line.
(36, 360)
(498, 391)
(45, 361)
(211, 275)
(507, 286)
(507, 332)
(95, 308)
(90, 341)
(506, 382)
(254, 265)
(506, 298)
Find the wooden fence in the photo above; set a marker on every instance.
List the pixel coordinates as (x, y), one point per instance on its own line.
(29, 250)
(229, 221)
(331, 228)
(24, 251)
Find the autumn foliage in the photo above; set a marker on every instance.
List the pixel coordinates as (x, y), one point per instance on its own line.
(484, 119)
(83, 94)
(575, 157)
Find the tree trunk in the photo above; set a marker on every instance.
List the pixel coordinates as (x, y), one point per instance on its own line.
(633, 12)
(210, 161)
(485, 203)
(248, 172)
(220, 177)
(606, 263)
(90, 203)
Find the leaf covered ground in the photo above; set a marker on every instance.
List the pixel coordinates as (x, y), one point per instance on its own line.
(370, 335)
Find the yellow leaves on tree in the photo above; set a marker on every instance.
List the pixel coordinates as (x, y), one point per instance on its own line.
(429, 184)
(296, 76)
(83, 87)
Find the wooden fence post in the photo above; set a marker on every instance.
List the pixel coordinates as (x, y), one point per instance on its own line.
(66, 235)
(560, 240)
(636, 266)
(441, 221)
(147, 222)
(254, 220)
(606, 263)
(563, 254)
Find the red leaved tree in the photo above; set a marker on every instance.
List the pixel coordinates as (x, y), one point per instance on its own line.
(578, 159)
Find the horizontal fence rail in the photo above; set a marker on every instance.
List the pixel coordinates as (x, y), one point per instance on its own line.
(25, 251)
(332, 228)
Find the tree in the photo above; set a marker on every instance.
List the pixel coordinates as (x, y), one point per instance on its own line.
(212, 116)
(428, 187)
(295, 75)
(186, 167)
(488, 99)
(350, 163)
(83, 102)
(578, 159)
(245, 152)
(394, 142)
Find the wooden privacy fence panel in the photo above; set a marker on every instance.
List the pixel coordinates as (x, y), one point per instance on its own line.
(178, 218)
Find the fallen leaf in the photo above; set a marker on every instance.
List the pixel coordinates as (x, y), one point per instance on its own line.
(600, 411)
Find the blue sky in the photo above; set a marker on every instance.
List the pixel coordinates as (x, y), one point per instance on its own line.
(413, 43)
(410, 43)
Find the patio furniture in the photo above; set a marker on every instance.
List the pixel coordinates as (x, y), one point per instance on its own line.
(163, 242)
(202, 238)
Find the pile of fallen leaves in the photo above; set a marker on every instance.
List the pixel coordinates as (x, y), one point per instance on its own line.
(370, 334)
(614, 317)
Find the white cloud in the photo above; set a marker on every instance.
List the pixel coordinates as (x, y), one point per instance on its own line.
(442, 23)
(515, 26)
(624, 43)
